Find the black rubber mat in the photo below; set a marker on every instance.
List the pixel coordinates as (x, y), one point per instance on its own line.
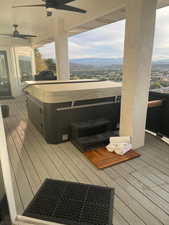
(72, 203)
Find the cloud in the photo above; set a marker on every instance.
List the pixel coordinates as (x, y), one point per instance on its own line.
(105, 42)
(108, 41)
(161, 41)
(48, 50)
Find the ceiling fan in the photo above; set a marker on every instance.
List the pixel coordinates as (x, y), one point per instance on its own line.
(55, 4)
(16, 34)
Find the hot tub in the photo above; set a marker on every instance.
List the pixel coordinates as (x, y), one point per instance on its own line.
(53, 106)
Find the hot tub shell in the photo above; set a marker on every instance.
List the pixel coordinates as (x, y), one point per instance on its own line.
(53, 107)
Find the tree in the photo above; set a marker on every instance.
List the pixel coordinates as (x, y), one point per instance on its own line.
(165, 83)
(51, 64)
(155, 85)
(39, 61)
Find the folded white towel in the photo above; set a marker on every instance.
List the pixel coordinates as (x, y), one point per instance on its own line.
(111, 147)
(125, 139)
(119, 148)
(119, 145)
(122, 148)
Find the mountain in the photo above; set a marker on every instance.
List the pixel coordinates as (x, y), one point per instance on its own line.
(81, 67)
(106, 62)
(98, 62)
(161, 61)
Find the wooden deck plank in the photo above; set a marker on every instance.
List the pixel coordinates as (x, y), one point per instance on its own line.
(33, 154)
(118, 219)
(48, 167)
(131, 203)
(138, 209)
(47, 161)
(62, 170)
(70, 165)
(153, 174)
(160, 155)
(141, 185)
(129, 215)
(128, 185)
(18, 200)
(79, 165)
(133, 216)
(78, 174)
(23, 184)
(24, 158)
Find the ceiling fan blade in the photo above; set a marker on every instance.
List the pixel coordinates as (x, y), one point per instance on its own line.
(64, 1)
(11, 35)
(70, 8)
(67, 1)
(6, 35)
(20, 37)
(21, 6)
(27, 35)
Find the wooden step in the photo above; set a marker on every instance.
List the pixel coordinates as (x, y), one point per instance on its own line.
(91, 142)
(91, 127)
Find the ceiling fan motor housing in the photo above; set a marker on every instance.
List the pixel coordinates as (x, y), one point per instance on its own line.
(49, 11)
(16, 32)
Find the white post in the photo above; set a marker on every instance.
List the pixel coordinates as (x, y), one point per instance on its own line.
(61, 49)
(139, 37)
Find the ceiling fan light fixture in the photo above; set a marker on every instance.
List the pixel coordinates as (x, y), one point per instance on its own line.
(49, 11)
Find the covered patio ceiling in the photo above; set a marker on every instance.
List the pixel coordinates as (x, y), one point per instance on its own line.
(35, 21)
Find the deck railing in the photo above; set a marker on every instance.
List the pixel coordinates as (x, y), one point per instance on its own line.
(158, 117)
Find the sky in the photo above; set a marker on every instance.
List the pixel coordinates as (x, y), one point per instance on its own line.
(108, 41)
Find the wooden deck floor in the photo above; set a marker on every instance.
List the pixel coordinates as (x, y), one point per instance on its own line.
(141, 185)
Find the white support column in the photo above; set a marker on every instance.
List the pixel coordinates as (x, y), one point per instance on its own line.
(139, 39)
(61, 49)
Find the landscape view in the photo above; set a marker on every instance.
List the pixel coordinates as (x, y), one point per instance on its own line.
(98, 53)
(109, 69)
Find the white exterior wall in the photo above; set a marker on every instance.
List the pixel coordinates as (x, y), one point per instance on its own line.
(23, 51)
(13, 66)
(13, 77)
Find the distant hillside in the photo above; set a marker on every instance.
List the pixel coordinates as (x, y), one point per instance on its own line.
(162, 61)
(80, 67)
(106, 62)
(98, 62)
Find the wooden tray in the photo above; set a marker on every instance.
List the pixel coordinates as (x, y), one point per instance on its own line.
(101, 158)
